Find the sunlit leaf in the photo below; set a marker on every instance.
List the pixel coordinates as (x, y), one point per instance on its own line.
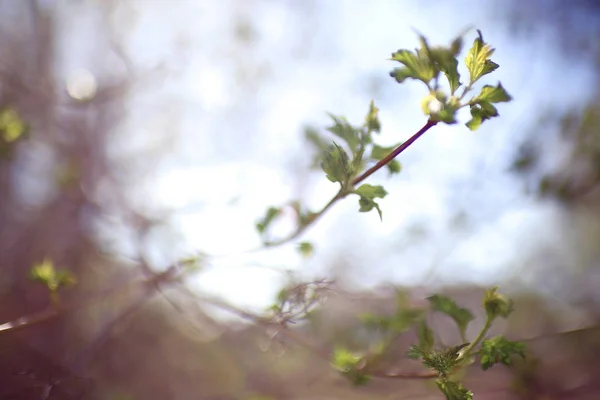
(454, 390)
(416, 66)
(477, 60)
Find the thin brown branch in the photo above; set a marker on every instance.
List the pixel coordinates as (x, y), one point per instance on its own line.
(304, 226)
(394, 153)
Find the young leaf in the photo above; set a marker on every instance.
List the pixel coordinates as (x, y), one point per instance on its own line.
(499, 349)
(416, 66)
(477, 60)
(372, 119)
(481, 111)
(345, 131)
(378, 153)
(454, 390)
(496, 305)
(43, 272)
(12, 126)
(447, 306)
(344, 359)
(445, 60)
(306, 249)
(367, 195)
(336, 164)
(492, 94)
(263, 224)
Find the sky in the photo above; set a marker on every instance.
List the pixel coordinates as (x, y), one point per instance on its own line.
(223, 115)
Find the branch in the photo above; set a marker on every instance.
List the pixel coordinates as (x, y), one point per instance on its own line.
(394, 153)
(341, 194)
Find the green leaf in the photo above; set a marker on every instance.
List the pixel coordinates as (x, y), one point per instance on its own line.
(347, 363)
(345, 131)
(492, 94)
(416, 66)
(445, 60)
(263, 224)
(43, 272)
(367, 195)
(12, 126)
(344, 360)
(426, 340)
(46, 273)
(378, 153)
(477, 60)
(306, 249)
(482, 111)
(499, 349)
(372, 119)
(446, 305)
(454, 390)
(371, 192)
(336, 164)
(496, 305)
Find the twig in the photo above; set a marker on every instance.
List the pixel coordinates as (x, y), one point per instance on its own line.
(394, 153)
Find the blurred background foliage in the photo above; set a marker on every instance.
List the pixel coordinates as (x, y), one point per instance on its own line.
(133, 133)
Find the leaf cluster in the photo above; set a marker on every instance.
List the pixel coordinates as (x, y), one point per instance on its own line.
(427, 63)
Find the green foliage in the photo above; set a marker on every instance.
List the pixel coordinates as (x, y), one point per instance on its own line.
(447, 306)
(343, 162)
(53, 279)
(497, 305)
(442, 362)
(12, 126)
(499, 349)
(482, 105)
(306, 249)
(478, 59)
(12, 129)
(368, 194)
(337, 166)
(454, 390)
(426, 63)
(349, 363)
(372, 120)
